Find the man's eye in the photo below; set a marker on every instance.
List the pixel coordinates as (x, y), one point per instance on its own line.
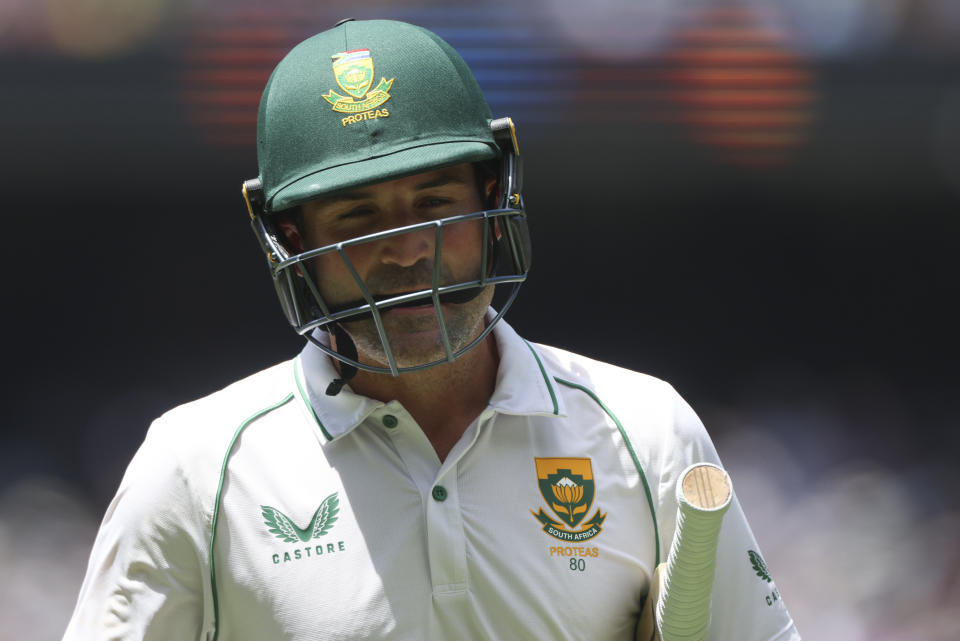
(434, 202)
(355, 213)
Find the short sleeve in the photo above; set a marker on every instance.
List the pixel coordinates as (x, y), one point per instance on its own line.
(145, 575)
(746, 605)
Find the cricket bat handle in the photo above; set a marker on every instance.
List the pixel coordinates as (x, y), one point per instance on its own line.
(678, 605)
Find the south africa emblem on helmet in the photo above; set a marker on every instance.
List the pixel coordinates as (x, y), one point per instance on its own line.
(567, 486)
(353, 71)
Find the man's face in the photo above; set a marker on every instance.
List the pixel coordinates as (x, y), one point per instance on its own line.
(402, 263)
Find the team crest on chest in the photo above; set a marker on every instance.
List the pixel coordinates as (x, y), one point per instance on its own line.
(567, 486)
(353, 71)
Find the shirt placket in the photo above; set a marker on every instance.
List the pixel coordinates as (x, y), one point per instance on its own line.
(439, 489)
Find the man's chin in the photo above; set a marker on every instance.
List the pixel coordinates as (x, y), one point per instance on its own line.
(412, 349)
(414, 339)
(414, 332)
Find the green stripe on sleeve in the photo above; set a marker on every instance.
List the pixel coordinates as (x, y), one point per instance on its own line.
(216, 507)
(633, 455)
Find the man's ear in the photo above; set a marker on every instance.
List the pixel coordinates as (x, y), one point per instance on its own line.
(489, 188)
(291, 234)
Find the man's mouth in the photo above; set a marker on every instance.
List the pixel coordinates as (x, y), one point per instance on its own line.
(412, 304)
(417, 304)
(413, 308)
(457, 297)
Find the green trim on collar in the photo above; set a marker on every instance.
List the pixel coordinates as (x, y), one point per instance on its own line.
(546, 379)
(633, 455)
(306, 399)
(216, 507)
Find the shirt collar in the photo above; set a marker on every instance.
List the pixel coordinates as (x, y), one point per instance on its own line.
(524, 387)
(335, 415)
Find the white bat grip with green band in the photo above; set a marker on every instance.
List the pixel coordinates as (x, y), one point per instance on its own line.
(704, 493)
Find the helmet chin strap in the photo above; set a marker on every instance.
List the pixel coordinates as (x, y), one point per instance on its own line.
(348, 348)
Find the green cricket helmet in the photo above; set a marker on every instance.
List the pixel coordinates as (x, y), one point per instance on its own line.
(363, 103)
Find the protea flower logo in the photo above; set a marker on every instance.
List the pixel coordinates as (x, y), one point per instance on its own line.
(567, 486)
(353, 71)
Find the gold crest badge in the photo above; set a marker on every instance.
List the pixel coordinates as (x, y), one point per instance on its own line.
(567, 485)
(353, 71)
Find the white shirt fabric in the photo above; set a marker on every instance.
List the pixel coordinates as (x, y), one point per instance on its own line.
(329, 523)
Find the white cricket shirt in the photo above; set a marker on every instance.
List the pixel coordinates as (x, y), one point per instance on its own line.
(271, 511)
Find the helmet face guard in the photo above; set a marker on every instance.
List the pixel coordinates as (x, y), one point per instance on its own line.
(504, 263)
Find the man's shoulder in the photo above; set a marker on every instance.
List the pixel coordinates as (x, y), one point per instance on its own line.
(598, 376)
(177, 465)
(639, 402)
(652, 415)
(220, 414)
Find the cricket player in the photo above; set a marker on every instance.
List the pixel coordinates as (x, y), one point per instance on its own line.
(419, 470)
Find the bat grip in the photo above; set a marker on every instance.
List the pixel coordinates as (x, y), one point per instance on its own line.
(704, 493)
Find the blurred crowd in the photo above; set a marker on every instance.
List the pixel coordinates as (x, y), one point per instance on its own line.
(605, 28)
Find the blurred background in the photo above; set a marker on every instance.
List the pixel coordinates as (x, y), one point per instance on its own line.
(757, 201)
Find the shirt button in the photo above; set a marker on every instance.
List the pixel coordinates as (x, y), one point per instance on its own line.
(390, 421)
(439, 493)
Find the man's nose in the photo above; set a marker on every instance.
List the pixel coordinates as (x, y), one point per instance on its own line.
(409, 248)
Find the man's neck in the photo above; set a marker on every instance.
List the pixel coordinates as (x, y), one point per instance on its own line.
(444, 399)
